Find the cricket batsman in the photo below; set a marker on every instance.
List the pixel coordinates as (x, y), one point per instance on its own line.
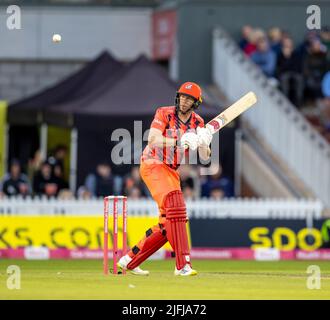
(174, 130)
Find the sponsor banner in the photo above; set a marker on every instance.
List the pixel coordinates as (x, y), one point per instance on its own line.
(163, 34)
(196, 254)
(279, 234)
(267, 254)
(256, 254)
(36, 253)
(70, 232)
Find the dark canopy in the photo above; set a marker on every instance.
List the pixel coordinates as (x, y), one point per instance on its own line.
(135, 90)
(30, 110)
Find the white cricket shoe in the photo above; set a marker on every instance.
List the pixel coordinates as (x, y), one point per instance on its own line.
(139, 272)
(125, 260)
(185, 271)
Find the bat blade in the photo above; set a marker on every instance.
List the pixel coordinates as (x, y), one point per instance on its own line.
(232, 112)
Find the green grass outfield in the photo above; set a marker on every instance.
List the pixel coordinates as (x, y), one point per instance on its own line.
(83, 279)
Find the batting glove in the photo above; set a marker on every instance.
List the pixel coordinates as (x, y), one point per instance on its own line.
(204, 137)
(189, 139)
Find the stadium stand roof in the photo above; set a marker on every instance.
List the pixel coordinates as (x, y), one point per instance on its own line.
(104, 88)
(77, 85)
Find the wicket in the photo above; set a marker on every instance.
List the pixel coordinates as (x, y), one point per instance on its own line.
(115, 231)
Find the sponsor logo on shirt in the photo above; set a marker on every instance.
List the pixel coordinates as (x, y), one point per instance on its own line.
(158, 122)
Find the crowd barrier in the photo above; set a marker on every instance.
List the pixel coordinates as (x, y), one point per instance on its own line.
(201, 208)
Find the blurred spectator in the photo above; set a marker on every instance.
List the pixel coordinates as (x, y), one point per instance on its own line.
(100, 183)
(59, 177)
(302, 49)
(188, 192)
(246, 35)
(217, 193)
(134, 193)
(253, 38)
(44, 182)
(59, 155)
(250, 45)
(325, 38)
(275, 39)
(65, 194)
(217, 181)
(15, 182)
(324, 106)
(289, 72)
(326, 85)
(83, 193)
(264, 57)
(189, 180)
(34, 165)
(133, 180)
(315, 66)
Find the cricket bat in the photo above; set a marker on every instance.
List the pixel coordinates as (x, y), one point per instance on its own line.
(232, 112)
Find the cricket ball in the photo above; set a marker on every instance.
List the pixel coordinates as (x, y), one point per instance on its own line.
(57, 38)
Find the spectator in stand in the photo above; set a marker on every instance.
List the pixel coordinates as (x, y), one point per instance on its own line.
(188, 192)
(100, 183)
(15, 182)
(44, 183)
(65, 194)
(246, 34)
(216, 193)
(302, 49)
(34, 165)
(59, 156)
(289, 72)
(189, 180)
(325, 39)
(217, 181)
(253, 37)
(133, 180)
(324, 106)
(59, 177)
(83, 193)
(314, 67)
(264, 57)
(134, 193)
(275, 39)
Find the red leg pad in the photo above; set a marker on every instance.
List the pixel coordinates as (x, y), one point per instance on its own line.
(154, 239)
(175, 225)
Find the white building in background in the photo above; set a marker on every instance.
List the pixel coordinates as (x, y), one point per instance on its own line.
(30, 61)
(85, 31)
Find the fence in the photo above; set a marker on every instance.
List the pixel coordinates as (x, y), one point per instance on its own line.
(274, 118)
(203, 208)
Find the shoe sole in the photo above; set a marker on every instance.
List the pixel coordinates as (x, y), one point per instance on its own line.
(138, 274)
(194, 273)
(131, 271)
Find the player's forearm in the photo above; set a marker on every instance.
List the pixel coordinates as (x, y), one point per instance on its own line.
(161, 141)
(204, 153)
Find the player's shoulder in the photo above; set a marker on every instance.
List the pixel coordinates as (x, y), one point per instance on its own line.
(165, 110)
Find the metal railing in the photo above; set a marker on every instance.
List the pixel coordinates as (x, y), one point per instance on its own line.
(202, 208)
(274, 118)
